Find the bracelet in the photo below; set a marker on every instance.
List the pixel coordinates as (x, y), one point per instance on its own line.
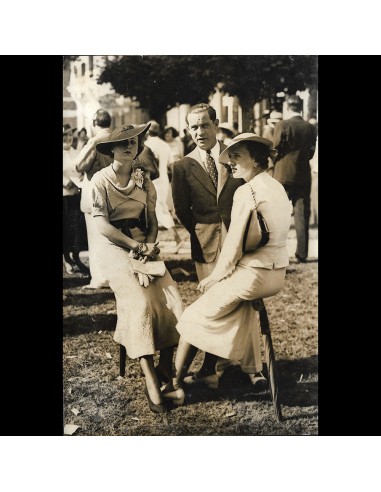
(142, 248)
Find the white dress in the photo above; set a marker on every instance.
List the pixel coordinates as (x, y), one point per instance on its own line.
(146, 316)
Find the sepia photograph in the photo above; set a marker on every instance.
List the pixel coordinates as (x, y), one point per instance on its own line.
(190, 245)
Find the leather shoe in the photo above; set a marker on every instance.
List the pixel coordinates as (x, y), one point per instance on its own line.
(258, 380)
(210, 381)
(299, 259)
(177, 396)
(156, 408)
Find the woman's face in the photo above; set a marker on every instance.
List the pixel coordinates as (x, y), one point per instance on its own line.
(126, 151)
(168, 136)
(241, 162)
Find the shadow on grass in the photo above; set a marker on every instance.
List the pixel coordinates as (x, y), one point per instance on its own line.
(293, 391)
(187, 265)
(84, 323)
(89, 298)
(74, 281)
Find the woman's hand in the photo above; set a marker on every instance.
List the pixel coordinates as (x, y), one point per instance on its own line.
(206, 284)
(151, 252)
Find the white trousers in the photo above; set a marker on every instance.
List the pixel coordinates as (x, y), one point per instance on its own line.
(252, 359)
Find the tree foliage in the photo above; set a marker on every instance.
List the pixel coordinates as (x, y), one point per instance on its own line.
(160, 82)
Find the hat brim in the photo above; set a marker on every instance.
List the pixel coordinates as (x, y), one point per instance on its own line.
(105, 147)
(69, 130)
(244, 137)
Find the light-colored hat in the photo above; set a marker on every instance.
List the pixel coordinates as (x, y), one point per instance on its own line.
(252, 137)
(275, 116)
(226, 126)
(120, 134)
(154, 126)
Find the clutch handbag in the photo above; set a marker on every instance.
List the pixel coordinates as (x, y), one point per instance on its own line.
(256, 232)
(154, 268)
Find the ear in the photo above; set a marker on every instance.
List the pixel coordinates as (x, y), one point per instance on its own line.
(216, 122)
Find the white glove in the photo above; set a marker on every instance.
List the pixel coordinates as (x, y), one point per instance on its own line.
(143, 279)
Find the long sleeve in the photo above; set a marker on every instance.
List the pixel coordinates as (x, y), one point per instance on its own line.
(86, 156)
(278, 140)
(231, 251)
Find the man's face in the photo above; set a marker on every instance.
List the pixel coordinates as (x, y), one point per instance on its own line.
(203, 130)
(67, 140)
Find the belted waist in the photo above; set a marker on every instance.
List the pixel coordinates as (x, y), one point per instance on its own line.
(125, 225)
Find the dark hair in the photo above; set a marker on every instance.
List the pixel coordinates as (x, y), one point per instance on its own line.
(82, 130)
(200, 108)
(102, 118)
(258, 151)
(295, 103)
(175, 133)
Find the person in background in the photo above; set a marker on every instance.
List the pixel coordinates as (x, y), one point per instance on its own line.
(88, 162)
(188, 142)
(171, 137)
(295, 140)
(268, 132)
(74, 236)
(225, 133)
(273, 119)
(163, 153)
(203, 192)
(147, 307)
(314, 162)
(82, 139)
(223, 319)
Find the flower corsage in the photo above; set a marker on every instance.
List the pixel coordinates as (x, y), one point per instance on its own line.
(139, 176)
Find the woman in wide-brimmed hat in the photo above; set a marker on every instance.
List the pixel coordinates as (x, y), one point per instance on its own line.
(124, 200)
(222, 320)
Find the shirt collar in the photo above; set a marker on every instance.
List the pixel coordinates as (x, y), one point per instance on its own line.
(215, 151)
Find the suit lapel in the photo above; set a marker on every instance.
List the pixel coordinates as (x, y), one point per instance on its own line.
(199, 172)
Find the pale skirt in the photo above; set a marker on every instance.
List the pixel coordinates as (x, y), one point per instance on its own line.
(146, 316)
(222, 319)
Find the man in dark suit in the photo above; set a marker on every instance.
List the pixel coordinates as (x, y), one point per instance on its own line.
(203, 190)
(295, 140)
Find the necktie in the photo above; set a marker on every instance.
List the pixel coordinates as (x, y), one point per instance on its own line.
(211, 168)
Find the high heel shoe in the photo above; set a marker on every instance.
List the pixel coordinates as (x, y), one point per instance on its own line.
(177, 396)
(210, 381)
(156, 408)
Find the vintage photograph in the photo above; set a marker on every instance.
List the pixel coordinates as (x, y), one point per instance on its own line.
(190, 245)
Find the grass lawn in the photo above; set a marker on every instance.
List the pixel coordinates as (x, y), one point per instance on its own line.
(102, 403)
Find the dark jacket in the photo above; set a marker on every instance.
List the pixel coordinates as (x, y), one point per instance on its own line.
(295, 140)
(199, 206)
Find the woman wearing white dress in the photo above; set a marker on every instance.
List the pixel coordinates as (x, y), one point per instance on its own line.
(148, 308)
(222, 319)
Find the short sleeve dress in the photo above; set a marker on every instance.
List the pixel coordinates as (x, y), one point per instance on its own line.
(146, 316)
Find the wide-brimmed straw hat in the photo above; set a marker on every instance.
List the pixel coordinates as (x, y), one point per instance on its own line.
(252, 137)
(120, 134)
(67, 128)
